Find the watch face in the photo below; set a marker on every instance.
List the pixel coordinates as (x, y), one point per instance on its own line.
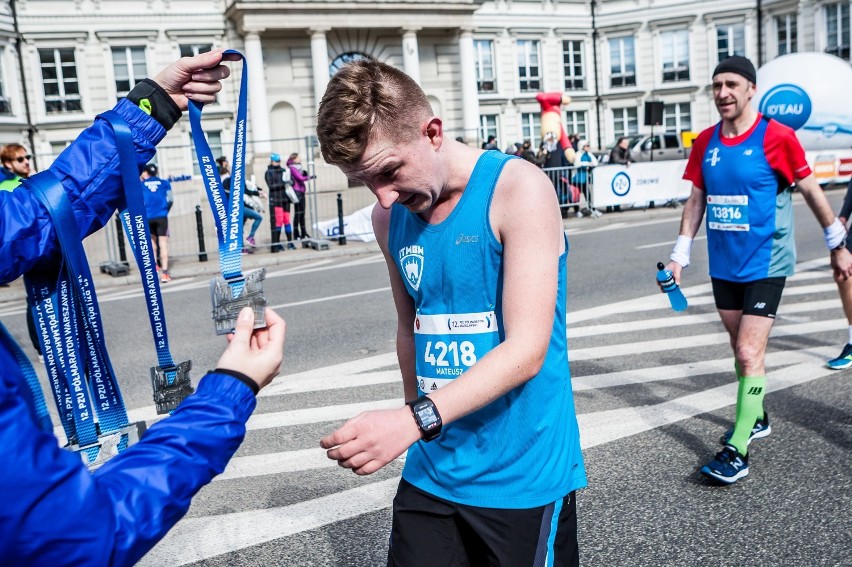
(426, 415)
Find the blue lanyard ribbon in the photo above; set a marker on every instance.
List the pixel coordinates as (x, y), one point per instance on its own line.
(136, 226)
(228, 215)
(170, 382)
(42, 291)
(68, 316)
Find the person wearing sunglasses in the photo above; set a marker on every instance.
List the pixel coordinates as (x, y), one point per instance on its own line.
(16, 166)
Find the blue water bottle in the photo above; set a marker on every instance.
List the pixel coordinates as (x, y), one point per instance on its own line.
(670, 287)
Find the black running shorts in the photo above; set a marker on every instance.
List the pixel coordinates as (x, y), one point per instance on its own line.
(760, 297)
(432, 532)
(159, 226)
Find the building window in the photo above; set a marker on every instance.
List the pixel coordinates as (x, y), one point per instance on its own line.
(837, 30)
(575, 123)
(625, 122)
(572, 64)
(675, 49)
(788, 36)
(622, 58)
(191, 50)
(487, 126)
(531, 128)
(129, 66)
(343, 59)
(5, 104)
(484, 49)
(676, 117)
(59, 80)
(730, 40)
(529, 71)
(214, 140)
(57, 148)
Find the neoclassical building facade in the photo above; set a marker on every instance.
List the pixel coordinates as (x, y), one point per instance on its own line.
(480, 62)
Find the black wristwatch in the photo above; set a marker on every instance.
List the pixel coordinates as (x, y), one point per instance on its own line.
(840, 246)
(426, 417)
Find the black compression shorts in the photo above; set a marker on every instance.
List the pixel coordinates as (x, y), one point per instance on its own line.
(759, 297)
(432, 532)
(159, 226)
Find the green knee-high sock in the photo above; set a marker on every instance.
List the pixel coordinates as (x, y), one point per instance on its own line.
(749, 409)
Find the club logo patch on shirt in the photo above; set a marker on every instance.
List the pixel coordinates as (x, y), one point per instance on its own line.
(714, 157)
(411, 263)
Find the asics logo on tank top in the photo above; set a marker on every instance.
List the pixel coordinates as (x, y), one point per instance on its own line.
(467, 239)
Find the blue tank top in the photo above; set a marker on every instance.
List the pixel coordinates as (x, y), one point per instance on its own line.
(749, 222)
(522, 450)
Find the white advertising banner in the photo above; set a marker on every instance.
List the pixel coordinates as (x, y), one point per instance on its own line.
(357, 226)
(639, 183)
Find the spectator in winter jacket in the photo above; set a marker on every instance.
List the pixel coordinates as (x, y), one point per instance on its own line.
(55, 512)
(528, 153)
(620, 154)
(584, 161)
(277, 178)
(299, 176)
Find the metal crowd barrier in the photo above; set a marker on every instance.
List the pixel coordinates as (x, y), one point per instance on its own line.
(574, 192)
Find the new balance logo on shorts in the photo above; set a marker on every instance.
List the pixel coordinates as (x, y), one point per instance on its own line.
(754, 391)
(760, 305)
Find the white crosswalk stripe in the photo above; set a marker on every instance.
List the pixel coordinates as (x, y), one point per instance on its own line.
(600, 340)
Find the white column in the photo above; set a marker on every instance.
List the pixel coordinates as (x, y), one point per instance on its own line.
(410, 54)
(258, 108)
(320, 62)
(470, 96)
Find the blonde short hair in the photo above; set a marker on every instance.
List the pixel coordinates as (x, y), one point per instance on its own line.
(364, 99)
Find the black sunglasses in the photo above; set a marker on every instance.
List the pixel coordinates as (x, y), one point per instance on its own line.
(20, 159)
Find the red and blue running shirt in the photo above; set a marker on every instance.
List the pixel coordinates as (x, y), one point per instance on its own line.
(747, 182)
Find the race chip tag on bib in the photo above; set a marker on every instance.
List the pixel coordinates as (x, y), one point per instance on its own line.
(727, 212)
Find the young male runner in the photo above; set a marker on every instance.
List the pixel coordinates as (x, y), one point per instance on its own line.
(742, 172)
(476, 256)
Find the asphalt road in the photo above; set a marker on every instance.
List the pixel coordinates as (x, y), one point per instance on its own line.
(653, 389)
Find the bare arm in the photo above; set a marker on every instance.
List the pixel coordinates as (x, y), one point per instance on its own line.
(525, 217)
(690, 222)
(815, 198)
(404, 307)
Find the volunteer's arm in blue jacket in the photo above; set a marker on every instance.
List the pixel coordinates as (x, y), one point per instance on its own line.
(54, 511)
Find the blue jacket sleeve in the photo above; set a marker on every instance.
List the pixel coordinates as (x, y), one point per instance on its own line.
(56, 513)
(89, 172)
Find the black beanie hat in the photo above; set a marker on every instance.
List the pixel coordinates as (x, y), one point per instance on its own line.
(739, 65)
